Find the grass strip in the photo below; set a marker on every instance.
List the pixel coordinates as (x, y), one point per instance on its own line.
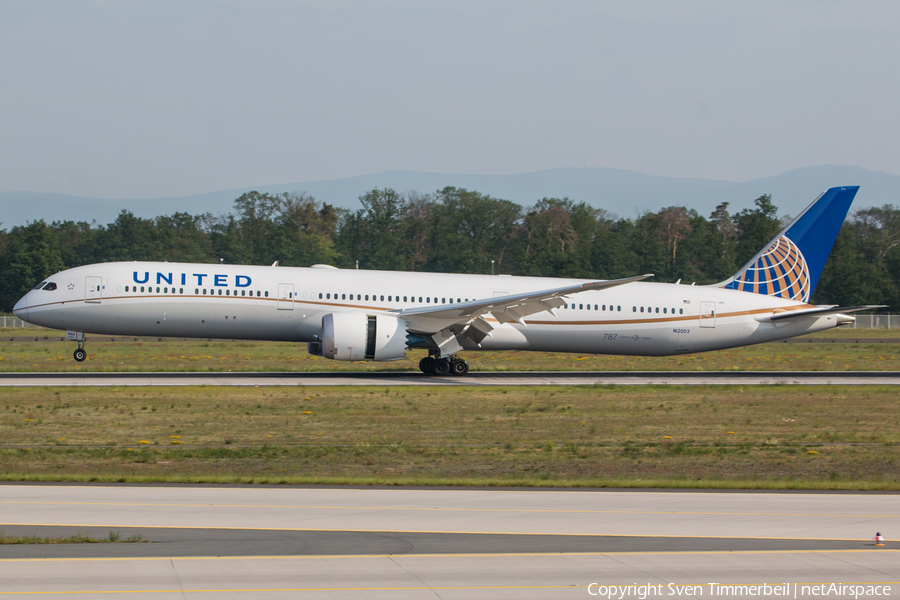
(169, 355)
(765, 437)
(114, 537)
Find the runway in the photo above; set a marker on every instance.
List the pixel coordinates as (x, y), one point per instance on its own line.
(493, 378)
(278, 541)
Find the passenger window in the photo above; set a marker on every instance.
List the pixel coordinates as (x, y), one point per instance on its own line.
(657, 309)
(634, 309)
(267, 294)
(204, 291)
(142, 288)
(420, 299)
(404, 298)
(620, 309)
(343, 296)
(680, 311)
(180, 290)
(664, 310)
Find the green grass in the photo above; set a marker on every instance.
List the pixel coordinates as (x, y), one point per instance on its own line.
(168, 355)
(114, 537)
(829, 437)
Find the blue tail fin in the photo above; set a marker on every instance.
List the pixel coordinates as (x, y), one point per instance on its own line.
(790, 265)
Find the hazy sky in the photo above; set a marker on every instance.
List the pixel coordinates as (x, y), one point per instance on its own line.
(130, 99)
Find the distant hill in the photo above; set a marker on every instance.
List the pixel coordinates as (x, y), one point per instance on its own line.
(623, 193)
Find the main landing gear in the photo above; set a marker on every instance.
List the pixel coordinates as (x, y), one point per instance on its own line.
(433, 364)
(80, 354)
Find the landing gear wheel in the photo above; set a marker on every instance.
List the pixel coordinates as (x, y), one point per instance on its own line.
(441, 367)
(459, 367)
(80, 355)
(426, 365)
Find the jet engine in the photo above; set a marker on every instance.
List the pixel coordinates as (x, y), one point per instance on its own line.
(358, 336)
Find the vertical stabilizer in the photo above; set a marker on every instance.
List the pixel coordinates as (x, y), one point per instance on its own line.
(790, 265)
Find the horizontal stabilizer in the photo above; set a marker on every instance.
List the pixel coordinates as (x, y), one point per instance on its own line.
(820, 311)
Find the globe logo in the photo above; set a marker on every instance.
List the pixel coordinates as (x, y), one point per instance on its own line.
(780, 271)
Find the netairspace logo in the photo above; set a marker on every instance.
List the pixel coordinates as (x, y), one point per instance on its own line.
(721, 590)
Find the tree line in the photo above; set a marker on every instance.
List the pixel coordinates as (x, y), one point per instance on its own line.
(461, 231)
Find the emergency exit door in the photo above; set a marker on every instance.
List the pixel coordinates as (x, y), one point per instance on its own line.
(707, 314)
(93, 289)
(285, 296)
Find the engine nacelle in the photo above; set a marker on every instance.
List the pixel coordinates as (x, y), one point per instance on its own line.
(358, 336)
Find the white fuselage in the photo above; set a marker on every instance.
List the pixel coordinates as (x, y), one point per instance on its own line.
(288, 304)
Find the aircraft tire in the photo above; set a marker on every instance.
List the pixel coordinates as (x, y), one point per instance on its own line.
(426, 365)
(441, 367)
(459, 367)
(79, 355)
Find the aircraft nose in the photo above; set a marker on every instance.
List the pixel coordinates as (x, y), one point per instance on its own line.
(21, 308)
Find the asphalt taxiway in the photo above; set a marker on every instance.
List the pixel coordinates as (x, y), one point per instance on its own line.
(493, 378)
(274, 541)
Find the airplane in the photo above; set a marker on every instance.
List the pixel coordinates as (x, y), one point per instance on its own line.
(355, 315)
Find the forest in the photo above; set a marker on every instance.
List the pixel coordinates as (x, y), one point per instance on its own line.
(461, 231)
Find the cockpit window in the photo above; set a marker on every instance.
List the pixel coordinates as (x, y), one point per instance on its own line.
(40, 285)
(50, 287)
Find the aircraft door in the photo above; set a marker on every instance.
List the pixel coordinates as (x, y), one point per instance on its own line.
(708, 314)
(93, 289)
(285, 296)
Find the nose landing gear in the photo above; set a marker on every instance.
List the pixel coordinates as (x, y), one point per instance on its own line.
(434, 364)
(80, 354)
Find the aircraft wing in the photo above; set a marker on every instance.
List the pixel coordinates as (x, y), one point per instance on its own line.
(819, 311)
(444, 322)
